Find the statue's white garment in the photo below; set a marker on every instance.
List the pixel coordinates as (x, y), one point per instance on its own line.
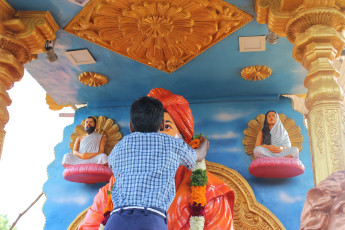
(263, 152)
(279, 137)
(89, 144)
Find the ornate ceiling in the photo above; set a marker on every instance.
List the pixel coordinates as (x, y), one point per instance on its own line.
(162, 34)
(189, 47)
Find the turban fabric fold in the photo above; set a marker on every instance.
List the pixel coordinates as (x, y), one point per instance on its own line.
(178, 108)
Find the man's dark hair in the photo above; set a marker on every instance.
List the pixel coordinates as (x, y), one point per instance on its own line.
(147, 114)
(94, 119)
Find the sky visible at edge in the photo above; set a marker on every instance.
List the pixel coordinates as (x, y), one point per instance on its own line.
(31, 135)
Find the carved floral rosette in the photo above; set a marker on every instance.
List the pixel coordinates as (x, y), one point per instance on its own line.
(256, 73)
(254, 126)
(162, 34)
(92, 79)
(105, 127)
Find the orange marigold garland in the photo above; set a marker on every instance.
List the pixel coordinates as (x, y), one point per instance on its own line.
(198, 190)
(107, 209)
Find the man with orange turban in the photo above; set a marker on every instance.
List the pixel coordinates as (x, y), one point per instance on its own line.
(219, 211)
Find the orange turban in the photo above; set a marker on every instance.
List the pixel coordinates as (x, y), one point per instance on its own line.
(178, 108)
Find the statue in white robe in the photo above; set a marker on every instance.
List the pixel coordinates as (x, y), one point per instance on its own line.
(273, 140)
(88, 149)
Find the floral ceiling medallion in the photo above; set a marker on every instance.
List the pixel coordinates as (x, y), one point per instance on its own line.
(164, 34)
(256, 73)
(93, 79)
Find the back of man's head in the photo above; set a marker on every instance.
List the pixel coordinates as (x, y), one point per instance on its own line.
(147, 115)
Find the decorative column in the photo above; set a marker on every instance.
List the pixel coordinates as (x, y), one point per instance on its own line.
(22, 37)
(316, 30)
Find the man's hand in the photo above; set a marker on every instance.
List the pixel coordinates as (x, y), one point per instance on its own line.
(201, 151)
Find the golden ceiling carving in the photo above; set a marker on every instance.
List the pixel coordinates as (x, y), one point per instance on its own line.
(254, 126)
(52, 104)
(256, 73)
(105, 127)
(162, 34)
(248, 213)
(93, 79)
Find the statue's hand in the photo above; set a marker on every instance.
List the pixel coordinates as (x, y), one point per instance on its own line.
(274, 149)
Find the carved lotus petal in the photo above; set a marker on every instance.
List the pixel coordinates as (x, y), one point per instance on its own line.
(254, 126)
(104, 126)
(256, 73)
(93, 79)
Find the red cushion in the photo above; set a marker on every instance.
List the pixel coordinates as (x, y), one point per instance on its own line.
(87, 173)
(276, 167)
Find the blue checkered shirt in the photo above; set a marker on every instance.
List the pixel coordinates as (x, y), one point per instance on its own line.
(144, 166)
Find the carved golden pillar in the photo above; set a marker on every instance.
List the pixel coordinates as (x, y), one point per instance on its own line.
(316, 30)
(22, 35)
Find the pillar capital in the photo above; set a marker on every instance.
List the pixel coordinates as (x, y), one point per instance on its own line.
(23, 35)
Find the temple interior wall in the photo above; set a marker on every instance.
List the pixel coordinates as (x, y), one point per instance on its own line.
(223, 123)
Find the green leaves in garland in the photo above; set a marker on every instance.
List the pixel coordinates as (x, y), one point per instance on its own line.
(199, 178)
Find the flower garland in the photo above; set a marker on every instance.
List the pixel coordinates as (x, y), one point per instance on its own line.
(198, 190)
(107, 209)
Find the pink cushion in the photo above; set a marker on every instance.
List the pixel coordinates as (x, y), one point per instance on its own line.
(87, 173)
(276, 167)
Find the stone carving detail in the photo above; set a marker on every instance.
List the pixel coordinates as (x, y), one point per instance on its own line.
(256, 73)
(248, 213)
(254, 126)
(104, 126)
(162, 34)
(93, 79)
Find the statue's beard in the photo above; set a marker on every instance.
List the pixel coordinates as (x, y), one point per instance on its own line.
(90, 129)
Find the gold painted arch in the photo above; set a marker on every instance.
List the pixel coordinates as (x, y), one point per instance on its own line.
(248, 213)
(105, 127)
(254, 126)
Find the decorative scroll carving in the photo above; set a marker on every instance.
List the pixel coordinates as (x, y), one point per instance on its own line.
(256, 73)
(162, 34)
(248, 213)
(319, 130)
(52, 104)
(333, 129)
(93, 79)
(105, 127)
(254, 126)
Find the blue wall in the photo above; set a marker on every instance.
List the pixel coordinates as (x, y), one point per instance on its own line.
(223, 122)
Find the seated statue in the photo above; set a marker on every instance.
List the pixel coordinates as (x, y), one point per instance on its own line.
(88, 149)
(219, 211)
(325, 204)
(273, 140)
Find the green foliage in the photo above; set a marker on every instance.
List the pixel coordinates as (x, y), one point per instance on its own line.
(197, 136)
(4, 223)
(199, 178)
